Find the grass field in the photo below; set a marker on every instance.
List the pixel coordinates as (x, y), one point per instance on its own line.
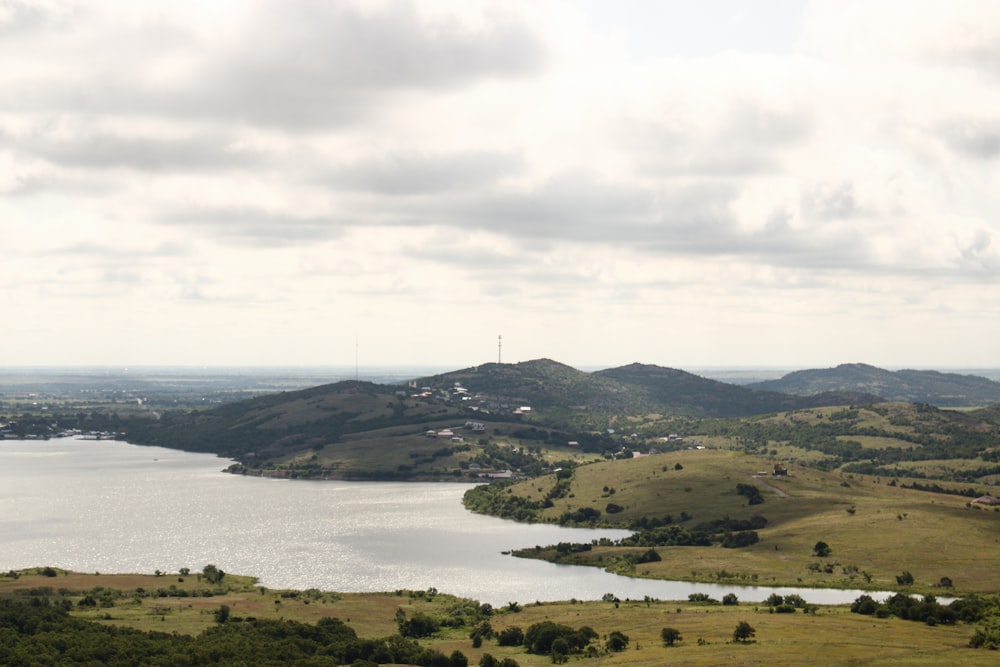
(829, 636)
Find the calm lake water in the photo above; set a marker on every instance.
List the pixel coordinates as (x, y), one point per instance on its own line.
(104, 506)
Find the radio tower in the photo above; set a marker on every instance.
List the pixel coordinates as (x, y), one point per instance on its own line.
(499, 349)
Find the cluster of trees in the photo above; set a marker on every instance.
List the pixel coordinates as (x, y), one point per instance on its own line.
(969, 609)
(751, 493)
(555, 640)
(787, 604)
(729, 533)
(37, 632)
(499, 500)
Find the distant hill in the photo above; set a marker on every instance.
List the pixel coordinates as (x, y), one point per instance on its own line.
(633, 389)
(913, 386)
(683, 393)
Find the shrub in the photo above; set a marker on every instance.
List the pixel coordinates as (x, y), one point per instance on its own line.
(512, 636)
(743, 633)
(670, 636)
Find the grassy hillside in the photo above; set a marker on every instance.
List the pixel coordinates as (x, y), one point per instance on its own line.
(876, 528)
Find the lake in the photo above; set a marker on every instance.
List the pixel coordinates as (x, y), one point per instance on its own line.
(106, 506)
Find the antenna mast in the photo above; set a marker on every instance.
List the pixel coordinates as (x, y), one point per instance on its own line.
(499, 349)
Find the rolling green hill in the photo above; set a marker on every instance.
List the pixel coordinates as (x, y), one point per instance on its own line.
(685, 504)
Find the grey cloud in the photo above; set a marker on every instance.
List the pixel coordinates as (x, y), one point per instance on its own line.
(692, 219)
(256, 227)
(830, 202)
(20, 17)
(317, 64)
(296, 66)
(108, 251)
(746, 140)
(976, 254)
(974, 138)
(121, 277)
(570, 208)
(104, 150)
(751, 123)
(418, 174)
(25, 184)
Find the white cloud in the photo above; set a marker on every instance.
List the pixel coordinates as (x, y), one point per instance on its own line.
(260, 182)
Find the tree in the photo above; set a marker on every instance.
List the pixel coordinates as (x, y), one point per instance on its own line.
(751, 493)
(512, 636)
(559, 650)
(617, 641)
(419, 625)
(730, 599)
(743, 632)
(670, 636)
(904, 579)
(222, 614)
(212, 574)
(821, 550)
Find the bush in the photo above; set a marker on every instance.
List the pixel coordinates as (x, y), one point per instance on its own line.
(512, 636)
(617, 641)
(744, 538)
(670, 636)
(743, 633)
(419, 625)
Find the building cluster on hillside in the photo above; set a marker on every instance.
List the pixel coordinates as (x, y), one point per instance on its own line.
(474, 403)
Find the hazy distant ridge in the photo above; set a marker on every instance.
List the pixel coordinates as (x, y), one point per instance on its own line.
(914, 386)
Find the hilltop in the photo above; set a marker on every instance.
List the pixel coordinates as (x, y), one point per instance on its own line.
(632, 389)
(913, 386)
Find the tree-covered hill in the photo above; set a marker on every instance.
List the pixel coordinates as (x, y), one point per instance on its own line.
(540, 383)
(914, 386)
(633, 389)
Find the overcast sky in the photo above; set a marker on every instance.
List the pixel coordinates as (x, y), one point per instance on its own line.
(689, 184)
